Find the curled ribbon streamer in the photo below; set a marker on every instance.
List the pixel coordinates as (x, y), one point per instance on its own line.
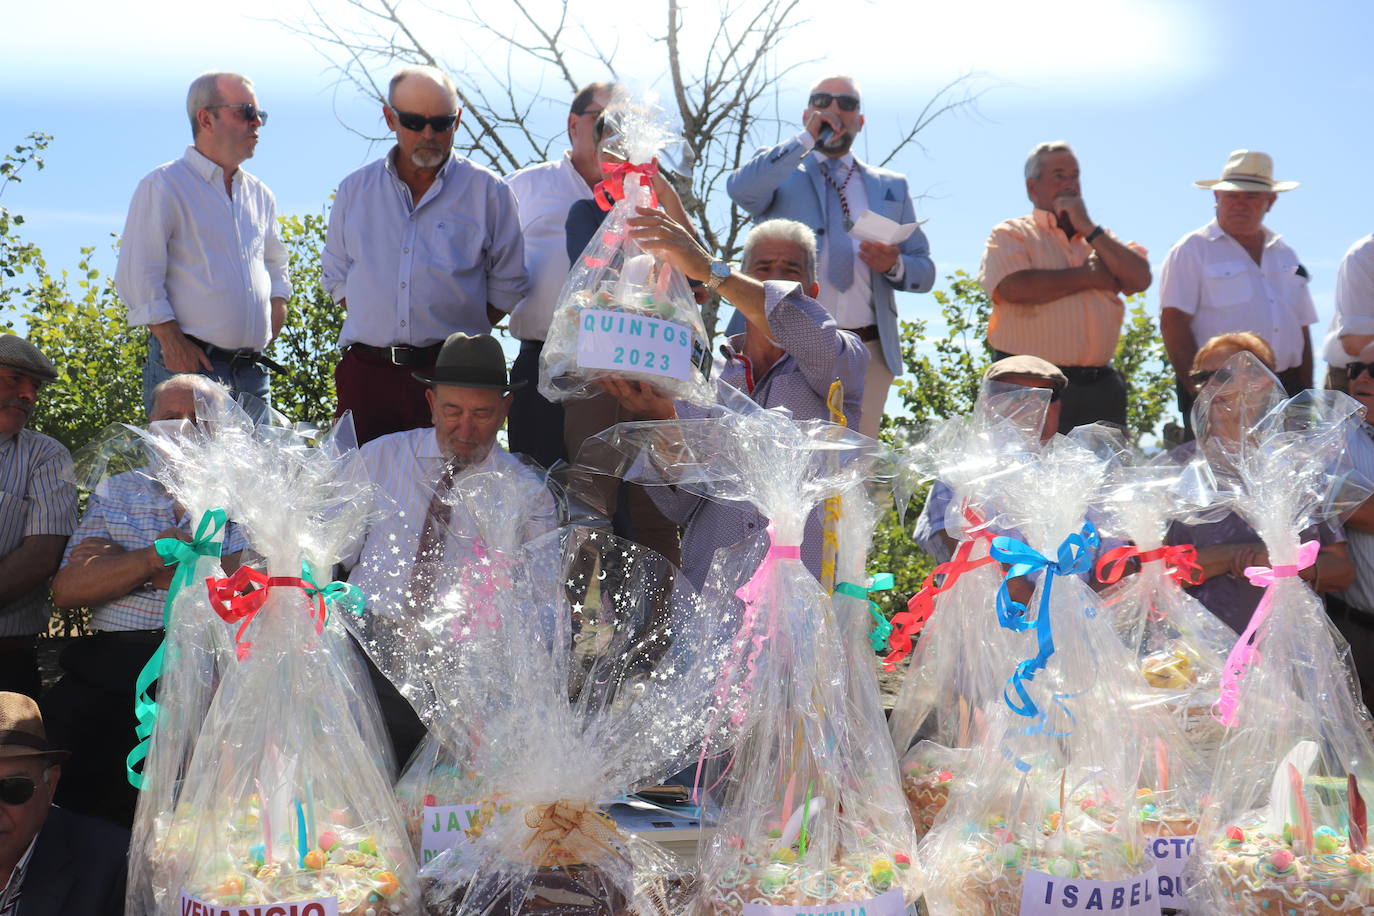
(879, 582)
(1246, 650)
(570, 833)
(335, 594)
(1180, 562)
(234, 602)
(612, 188)
(183, 555)
(1074, 557)
(909, 623)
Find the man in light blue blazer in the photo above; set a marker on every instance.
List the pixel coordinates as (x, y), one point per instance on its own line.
(814, 179)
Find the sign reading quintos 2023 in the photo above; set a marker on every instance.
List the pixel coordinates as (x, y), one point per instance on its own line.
(633, 343)
(1051, 895)
(324, 906)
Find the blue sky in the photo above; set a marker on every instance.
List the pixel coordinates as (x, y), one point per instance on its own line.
(1152, 95)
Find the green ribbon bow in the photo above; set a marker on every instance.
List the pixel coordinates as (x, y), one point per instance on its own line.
(882, 628)
(184, 555)
(348, 597)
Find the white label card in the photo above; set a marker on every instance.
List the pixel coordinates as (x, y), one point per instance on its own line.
(889, 904)
(445, 827)
(324, 906)
(1171, 855)
(633, 343)
(1050, 895)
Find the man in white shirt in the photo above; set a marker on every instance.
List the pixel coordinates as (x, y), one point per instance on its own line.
(814, 178)
(1235, 274)
(1352, 327)
(421, 243)
(200, 262)
(546, 192)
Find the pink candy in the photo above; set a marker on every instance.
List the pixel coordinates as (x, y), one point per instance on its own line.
(1281, 859)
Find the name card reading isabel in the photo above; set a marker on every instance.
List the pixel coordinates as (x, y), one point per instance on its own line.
(445, 826)
(629, 342)
(1050, 895)
(889, 904)
(324, 906)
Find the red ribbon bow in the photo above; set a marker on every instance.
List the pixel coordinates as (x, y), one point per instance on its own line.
(906, 625)
(612, 188)
(1180, 561)
(238, 599)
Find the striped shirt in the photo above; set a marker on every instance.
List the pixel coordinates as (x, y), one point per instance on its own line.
(132, 510)
(1360, 448)
(10, 893)
(1080, 329)
(36, 497)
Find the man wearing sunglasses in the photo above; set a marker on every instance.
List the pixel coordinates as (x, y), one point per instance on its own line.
(421, 243)
(51, 861)
(813, 178)
(200, 261)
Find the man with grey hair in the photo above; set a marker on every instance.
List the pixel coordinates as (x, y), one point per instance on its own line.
(815, 179)
(37, 513)
(1056, 279)
(112, 566)
(200, 263)
(422, 242)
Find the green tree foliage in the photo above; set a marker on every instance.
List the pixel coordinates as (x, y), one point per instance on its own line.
(307, 345)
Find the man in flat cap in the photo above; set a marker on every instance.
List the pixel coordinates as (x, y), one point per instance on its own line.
(1236, 274)
(37, 513)
(51, 861)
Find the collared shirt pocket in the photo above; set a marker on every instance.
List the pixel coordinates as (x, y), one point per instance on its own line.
(456, 244)
(1227, 284)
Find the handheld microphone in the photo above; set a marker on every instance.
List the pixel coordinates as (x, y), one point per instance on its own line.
(826, 133)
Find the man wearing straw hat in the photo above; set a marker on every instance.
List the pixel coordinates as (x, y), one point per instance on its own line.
(1236, 274)
(51, 861)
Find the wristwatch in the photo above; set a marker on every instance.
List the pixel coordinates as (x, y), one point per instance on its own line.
(720, 272)
(1092, 236)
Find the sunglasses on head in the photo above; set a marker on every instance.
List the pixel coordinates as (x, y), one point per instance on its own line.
(417, 123)
(16, 790)
(247, 112)
(823, 100)
(1353, 370)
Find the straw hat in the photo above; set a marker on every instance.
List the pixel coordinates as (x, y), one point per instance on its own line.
(1247, 170)
(21, 729)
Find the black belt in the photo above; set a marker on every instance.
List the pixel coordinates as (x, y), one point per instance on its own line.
(1086, 374)
(141, 637)
(866, 333)
(1338, 609)
(399, 356)
(232, 357)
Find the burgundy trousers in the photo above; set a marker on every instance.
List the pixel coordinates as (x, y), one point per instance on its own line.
(383, 397)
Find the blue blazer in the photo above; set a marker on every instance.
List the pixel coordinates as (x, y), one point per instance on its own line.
(785, 182)
(77, 869)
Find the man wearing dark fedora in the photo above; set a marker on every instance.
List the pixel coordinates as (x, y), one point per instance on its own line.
(401, 560)
(51, 860)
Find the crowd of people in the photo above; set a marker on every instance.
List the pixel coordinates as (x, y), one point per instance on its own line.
(427, 252)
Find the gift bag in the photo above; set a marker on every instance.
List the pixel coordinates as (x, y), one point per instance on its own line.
(1287, 828)
(622, 312)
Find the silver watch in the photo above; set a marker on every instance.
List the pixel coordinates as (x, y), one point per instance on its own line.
(720, 272)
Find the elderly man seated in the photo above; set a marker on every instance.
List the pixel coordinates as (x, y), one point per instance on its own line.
(790, 353)
(112, 567)
(52, 862)
(400, 561)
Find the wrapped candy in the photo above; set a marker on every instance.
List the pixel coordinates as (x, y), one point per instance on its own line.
(812, 815)
(293, 807)
(622, 312)
(1287, 829)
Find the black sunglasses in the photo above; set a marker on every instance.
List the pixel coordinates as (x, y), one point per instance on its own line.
(417, 123)
(1353, 370)
(246, 111)
(823, 100)
(16, 790)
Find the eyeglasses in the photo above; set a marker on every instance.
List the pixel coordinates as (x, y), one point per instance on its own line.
(248, 112)
(594, 112)
(1353, 370)
(1203, 376)
(16, 790)
(823, 100)
(417, 123)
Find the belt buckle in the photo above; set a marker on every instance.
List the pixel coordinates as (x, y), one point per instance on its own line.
(391, 355)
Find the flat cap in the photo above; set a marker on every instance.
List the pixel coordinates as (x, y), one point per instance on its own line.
(1032, 366)
(18, 353)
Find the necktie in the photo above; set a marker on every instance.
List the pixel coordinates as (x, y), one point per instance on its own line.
(430, 555)
(839, 271)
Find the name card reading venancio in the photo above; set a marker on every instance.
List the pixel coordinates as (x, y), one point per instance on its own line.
(324, 906)
(888, 904)
(1050, 895)
(633, 343)
(445, 826)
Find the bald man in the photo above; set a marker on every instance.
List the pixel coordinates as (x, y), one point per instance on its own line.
(421, 243)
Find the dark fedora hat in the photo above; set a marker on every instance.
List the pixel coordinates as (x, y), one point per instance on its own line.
(470, 362)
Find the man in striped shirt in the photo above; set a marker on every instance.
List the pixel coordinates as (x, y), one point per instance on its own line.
(1056, 279)
(37, 513)
(112, 567)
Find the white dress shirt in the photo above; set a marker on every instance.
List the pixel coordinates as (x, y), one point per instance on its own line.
(1211, 277)
(406, 468)
(545, 193)
(413, 273)
(1354, 300)
(211, 261)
